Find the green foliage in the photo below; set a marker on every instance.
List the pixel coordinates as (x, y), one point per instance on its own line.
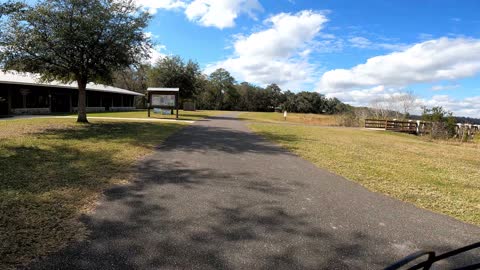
(10, 7)
(133, 78)
(74, 40)
(174, 72)
(442, 120)
(219, 91)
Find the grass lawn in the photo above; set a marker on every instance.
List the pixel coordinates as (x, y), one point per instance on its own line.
(312, 119)
(53, 170)
(439, 176)
(182, 115)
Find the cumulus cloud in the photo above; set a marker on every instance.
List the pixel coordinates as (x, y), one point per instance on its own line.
(153, 5)
(430, 61)
(437, 60)
(214, 13)
(365, 43)
(461, 107)
(156, 53)
(441, 87)
(279, 53)
(220, 13)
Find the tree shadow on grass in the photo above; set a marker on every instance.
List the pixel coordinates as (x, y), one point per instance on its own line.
(48, 176)
(41, 192)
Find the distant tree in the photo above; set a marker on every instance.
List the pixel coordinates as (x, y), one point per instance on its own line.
(221, 82)
(10, 7)
(289, 103)
(407, 102)
(380, 108)
(443, 120)
(133, 78)
(219, 91)
(74, 40)
(175, 72)
(231, 99)
(274, 93)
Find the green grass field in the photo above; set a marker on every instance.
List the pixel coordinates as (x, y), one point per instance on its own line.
(182, 115)
(312, 119)
(440, 176)
(53, 170)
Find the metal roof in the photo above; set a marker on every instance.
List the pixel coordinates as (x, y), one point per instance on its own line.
(163, 89)
(24, 78)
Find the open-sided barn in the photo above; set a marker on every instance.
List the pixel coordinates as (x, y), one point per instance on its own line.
(23, 93)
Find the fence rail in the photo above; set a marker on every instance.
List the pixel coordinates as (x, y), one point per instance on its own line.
(462, 131)
(393, 125)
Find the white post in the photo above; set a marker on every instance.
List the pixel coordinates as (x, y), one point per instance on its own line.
(285, 115)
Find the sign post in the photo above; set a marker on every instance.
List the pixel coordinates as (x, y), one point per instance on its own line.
(163, 98)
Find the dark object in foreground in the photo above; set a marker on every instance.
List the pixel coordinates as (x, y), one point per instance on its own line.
(431, 258)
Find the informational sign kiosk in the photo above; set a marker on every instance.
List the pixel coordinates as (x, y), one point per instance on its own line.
(163, 99)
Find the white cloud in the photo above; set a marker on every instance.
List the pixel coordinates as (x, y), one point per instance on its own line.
(360, 42)
(156, 53)
(430, 61)
(437, 60)
(442, 87)
(279, 53)
(365, 43)
(220, 13)
(214, 13)
(153, 5)
(460, 107)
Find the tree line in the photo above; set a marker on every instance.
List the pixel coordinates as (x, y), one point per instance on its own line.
(221, 91)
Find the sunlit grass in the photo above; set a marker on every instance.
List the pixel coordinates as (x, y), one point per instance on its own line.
(52, 170)
(442, 177)
(302, 118)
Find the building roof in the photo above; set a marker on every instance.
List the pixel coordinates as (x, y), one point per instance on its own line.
(13, 77)
(157, 89)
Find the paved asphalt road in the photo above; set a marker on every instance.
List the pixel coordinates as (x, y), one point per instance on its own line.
(216, 196)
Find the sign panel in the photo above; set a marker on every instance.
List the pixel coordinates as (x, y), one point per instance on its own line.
(162, 111)
(163, 100)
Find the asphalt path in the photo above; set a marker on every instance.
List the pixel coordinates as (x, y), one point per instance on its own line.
(217, 196)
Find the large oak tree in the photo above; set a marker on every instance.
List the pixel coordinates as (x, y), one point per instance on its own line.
(79, 41)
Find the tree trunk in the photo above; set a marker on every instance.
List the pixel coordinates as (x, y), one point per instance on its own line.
(82, 97)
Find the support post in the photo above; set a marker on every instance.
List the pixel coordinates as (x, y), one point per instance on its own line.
(149, 102)
(177, 103)
(50, 100)
(70, 98)
(9, 101)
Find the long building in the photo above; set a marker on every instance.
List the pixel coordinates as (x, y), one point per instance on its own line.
(23, 93)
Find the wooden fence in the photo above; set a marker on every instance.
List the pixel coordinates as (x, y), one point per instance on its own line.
(393, 125)
(462, 131)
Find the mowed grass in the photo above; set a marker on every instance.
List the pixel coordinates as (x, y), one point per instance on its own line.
(440, 176)
(182, 115)
(274, 117)
(53, 170)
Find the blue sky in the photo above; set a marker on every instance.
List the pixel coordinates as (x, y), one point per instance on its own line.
(358, 51)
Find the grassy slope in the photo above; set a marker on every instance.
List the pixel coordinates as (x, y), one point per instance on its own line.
(314, 119)
(183, 115)
(52, 170)
(438, 176)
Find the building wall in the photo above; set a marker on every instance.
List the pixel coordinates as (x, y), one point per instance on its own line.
(21, 99)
